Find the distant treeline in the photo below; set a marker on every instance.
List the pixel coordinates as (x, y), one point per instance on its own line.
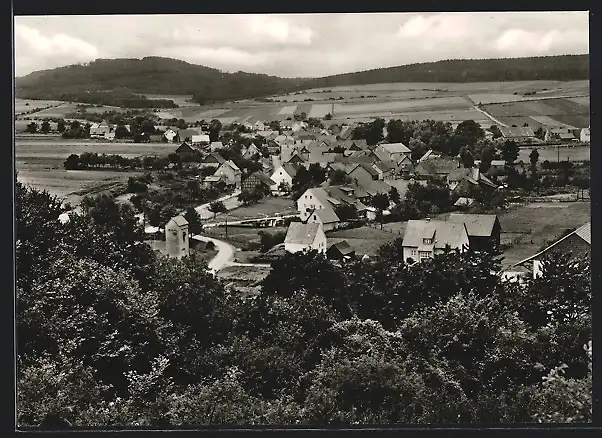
(554, 68)
(92, 160)
(112, 98)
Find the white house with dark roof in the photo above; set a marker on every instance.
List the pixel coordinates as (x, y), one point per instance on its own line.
(176, 237)
(392, 151)
(423, 239)
(305, 237)
(484, 230)
(200, 139)
(584, 135)
(284, 173)
(314, 198)
(230, 172)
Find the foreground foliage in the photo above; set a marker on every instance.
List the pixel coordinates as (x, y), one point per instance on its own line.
(111, 334)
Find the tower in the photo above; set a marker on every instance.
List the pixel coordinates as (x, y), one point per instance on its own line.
(176, 237)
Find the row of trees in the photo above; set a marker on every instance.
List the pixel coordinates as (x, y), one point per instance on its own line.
(110, 334)
(93, 160)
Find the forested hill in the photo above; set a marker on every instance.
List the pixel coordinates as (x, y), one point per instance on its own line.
(560, 68)
(155, 75)
(152, 75)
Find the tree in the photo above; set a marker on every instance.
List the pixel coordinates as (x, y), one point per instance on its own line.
(394, 195)
(533, 159)
(122, 132)
(134, 185)
(497, 133)
(540, 133)
(346, 212)
(380, 201)
(214, 128)
(487, 156)
(32, 128)
(339, 177)
(328, 116)
(467, 133)
(466, 157)
(269, 240)
(217, 207)
(60, 126)
(181, 124)
(72, 162)
(510, 151)
(45, 129)
(195, 225)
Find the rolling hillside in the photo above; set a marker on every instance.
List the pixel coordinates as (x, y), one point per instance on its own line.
(174, 77)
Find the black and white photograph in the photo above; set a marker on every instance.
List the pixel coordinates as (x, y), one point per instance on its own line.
(302, 220)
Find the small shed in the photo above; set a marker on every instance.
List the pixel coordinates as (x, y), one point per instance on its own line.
(340, 251)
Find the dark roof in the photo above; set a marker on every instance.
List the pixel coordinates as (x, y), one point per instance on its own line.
(179, 220)
(516, 131)
(262, 178)
(342, 246)
(395, 148)
(326, 215)
(185, 147)
(436, 166)
(480, 225)
(386, 166)
(216, 156)
(371, 170)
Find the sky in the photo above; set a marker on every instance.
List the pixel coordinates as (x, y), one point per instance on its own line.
(301, 45)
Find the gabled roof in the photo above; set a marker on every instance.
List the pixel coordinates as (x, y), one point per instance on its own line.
(386, 166)
(381, 155)
(216, 145)
(342, 246)
(516, 131)
(200, 138)
(436, 166)
(464, 202)
(395, 148)
(480, 225)
(263, 178)
(326, 215)
(232, 164)
(187, 133)
(584, 232)
(185, 147)
(216, 156)
(179, 220)
(444, 232)
(371, 170)
(374, 187)
(301, 234)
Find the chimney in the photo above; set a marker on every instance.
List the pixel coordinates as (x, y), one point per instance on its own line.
(475, 173)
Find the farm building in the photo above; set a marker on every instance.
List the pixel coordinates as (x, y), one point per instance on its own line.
(313, 198)
(519, 134)
(215, 145)
(385, 169)
(435, 168)
(250, 152)
(176, 237)
(326, 217)
(392, 151)
(463, 180)
(363, 173)
(423, 239)
(212, 181)
(283, 174)
(340, 251)
(257, 179)
(305, 237)
(428, 155)
(559, 134)
(214, 159)
(185, 135)
(484, 230)
(152, 138)
(200, 139)
(231, 173)
(100, 129)
(577, 243)
(463, 203)
(185, 149)
(405, 165)
(170, 134)
(584, 135)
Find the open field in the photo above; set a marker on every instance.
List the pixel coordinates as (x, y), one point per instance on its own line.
(320, 110)
(288, 110)
(557, 112)
(240, 237)
(23, 105)
(528, 227)
(366, 240)
(550, 153)
(180, 100)
(546, 121)
(59, 148)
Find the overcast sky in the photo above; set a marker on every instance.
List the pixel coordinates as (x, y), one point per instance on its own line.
(297, 45)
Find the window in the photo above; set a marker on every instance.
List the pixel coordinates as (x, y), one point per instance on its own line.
(315, 217)
(184, 236)
(427, 241)
(413, 252)
(281, 172)
(425, 254)
(309, 196)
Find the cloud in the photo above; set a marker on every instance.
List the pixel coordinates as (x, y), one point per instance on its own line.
(298, 44)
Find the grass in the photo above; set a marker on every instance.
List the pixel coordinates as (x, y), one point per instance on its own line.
(576, 153)
(268, 206)
(367, 239)
(24, 105)
(527, 227)
(243, 275)
(241, 237)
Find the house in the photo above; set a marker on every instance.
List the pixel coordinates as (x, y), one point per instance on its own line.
(200, 139)
(463, 203)
(213, 159)
(251, 151)
(428, 155)
(334, 129)
(185, 135)
(520, 134)
(259, 126)
(212, 181)
(296, 159)
(111, 135)
(405, 165)
(176, 237)
(495, 164)
(340, 251)
(313, 199)
(231, 173)
(435, 168)
(152, 138)
(215, 145)
(305, 237)
(423, 239)
(559, 134)
(99, 129)
(484, 230)
(283, 174)
(584, 135)
(363, 173)
(577, 243)
(346, 132)
(257, 179)
(170, 134)
(463, 180)
(326, 217)
(385, 169)
(392, 151)
(185, 149)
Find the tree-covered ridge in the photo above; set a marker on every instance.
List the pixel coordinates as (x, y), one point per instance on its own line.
(170, 76)
(109, 333)
(557, 68)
